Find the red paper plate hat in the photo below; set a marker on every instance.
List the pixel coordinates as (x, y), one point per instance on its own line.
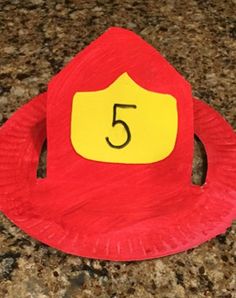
(120, 123)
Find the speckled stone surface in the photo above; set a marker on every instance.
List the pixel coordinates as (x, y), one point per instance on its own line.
(37, 38)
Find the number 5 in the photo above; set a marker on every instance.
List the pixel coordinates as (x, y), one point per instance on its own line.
(116, 122)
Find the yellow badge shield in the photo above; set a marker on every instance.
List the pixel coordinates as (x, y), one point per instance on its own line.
(124, 123)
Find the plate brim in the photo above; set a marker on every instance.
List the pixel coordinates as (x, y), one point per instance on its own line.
(212, 210)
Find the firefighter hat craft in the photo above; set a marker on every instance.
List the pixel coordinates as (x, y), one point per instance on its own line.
(119, 122)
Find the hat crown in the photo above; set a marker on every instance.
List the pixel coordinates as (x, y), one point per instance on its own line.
(114, 53)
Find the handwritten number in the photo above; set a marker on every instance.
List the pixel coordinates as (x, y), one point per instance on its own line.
(116, 121)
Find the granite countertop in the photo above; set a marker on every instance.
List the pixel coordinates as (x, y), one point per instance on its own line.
(38, 37)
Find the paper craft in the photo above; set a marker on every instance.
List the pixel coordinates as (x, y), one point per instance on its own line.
(119, 122)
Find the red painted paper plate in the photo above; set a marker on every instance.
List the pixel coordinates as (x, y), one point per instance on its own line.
(119, 122)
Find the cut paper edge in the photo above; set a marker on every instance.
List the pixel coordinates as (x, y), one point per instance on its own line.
(21, 139)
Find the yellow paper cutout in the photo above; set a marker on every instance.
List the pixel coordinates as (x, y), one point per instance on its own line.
(124, 123)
